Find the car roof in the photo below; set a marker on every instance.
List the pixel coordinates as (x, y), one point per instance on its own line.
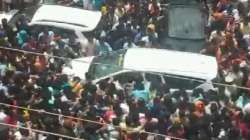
(66, 17)
(7, 15)
(171, 62)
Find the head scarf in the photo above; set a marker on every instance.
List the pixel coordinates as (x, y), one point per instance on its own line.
(22, 37)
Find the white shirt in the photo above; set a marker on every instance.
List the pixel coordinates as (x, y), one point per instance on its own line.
(2, 116)
(126, 45)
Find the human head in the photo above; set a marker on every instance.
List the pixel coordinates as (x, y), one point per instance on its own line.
(4, 22)
(151, 28)
(199, 105)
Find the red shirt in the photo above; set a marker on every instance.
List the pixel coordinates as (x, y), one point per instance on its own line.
(244, 129)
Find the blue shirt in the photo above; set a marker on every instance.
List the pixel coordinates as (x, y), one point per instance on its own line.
(141, 94)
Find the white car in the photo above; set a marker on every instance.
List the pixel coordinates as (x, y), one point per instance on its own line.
(7, 15)
(153, 62)
(66, 20)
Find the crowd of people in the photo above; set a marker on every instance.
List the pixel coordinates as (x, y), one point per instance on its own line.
(124, 111)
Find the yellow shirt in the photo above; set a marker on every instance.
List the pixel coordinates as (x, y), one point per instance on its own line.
(245, 29)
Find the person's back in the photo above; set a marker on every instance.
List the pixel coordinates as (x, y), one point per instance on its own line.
(8, 30)
(102, 47)
(140, 91)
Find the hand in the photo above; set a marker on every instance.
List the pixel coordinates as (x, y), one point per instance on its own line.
(111, 79)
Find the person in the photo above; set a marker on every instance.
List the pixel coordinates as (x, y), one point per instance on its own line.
(87, 5)
(27, 3)
(119, 12)
(22, 38)
(31, 44)
(245, 27)
(230, 91)
(141, 89)
(74, 44)
(9, 32)
(77, 3)
(102, 47)
(129, 43)
(3, 38)
(90, 48)
(22, 24)
(151, 35)
(46, 35)
(97, 4)
(7, 5)
(138, 105)
(153, 8)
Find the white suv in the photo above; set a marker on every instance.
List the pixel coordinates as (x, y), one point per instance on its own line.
(67, 20)
(179, 69)
(71, 21)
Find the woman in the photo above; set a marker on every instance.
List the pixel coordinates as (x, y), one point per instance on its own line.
(22, 38)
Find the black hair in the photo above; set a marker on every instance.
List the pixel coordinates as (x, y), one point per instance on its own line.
(103, 85)
(4, 22)
(139, 86)
(116, 121)
(24, 132)
(197, 92)
(233, 133)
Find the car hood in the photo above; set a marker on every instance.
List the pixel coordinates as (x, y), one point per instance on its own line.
(78, 67)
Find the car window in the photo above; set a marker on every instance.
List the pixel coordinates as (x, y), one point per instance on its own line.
(127, 77)
(107, 64)
(36, 29)
(153, 78)
(65, 33)
(180, 82)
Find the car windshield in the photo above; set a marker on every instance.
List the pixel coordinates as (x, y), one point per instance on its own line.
(106, 64)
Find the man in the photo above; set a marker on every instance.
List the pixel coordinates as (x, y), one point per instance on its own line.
(102, 46)
(129, 43)
(7, 5)
(90, 48)
(9, 31)
(245, 27)
(151, 36)
(47, 35)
